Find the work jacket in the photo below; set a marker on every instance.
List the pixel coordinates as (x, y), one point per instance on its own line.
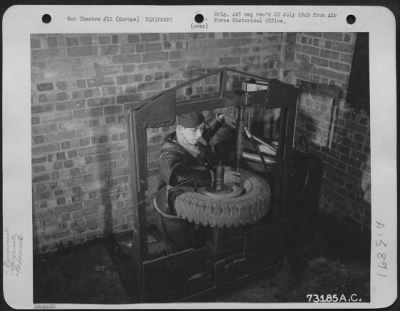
(179, 167)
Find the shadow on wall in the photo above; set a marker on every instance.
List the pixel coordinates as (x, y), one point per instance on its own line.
(366, 180)
(113, 177)
(106, 191)
(345, 189)
(98, 216)
(305, 130)
(106, 195)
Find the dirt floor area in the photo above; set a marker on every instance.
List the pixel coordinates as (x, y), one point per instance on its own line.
(338, 263)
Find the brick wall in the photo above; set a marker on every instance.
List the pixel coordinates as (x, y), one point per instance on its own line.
(82, 86)
(325, 58)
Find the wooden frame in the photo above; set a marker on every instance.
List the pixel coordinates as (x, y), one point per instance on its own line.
(161, 111)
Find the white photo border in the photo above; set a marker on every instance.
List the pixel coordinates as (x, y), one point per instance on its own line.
(19, 22)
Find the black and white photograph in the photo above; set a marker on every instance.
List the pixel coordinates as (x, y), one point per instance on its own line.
(221, 155)
(201, 167)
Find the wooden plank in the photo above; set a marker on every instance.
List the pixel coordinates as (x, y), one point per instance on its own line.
(178, 275)
(230, 269)
(138, 234)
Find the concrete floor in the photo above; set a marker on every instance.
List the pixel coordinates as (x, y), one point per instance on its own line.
(338, 263)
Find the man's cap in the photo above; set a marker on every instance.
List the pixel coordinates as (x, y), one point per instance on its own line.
(190, 120)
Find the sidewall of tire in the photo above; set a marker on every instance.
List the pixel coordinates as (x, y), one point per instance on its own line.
(231, 212)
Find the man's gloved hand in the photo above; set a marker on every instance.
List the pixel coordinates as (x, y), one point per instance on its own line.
(226, 119)
(232, 176)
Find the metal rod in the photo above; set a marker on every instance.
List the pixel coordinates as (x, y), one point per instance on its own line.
(332, 123)
(249, 115)
(256, 158)
(239, 134)
(222, 83)
(219, 177)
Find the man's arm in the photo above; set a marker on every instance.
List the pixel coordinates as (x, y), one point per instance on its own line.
(212, 127)
(174, 170)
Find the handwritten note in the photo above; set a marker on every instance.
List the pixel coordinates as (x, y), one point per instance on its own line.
(13, 253)
(381, 244)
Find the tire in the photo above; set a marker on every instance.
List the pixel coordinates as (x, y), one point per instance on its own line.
(245, 209)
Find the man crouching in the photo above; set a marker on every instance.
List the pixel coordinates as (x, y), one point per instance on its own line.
(187, 162)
